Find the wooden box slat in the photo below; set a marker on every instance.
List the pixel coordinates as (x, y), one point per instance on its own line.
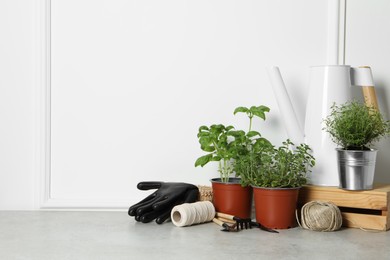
(365, 221)
(360, 209)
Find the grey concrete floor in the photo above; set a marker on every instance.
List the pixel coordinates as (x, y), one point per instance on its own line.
(113, 235)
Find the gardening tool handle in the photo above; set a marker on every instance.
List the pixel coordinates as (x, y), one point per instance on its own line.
(227, 216)
(229, 221)
(218, 222)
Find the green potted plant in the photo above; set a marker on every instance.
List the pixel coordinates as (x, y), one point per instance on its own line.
(354, 127)
(224, 144)
(276, 175)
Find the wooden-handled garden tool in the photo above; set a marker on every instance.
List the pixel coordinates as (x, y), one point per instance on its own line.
(226, 227)
(244, 222)
(240, 222)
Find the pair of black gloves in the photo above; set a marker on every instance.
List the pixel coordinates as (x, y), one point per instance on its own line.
(159, 204)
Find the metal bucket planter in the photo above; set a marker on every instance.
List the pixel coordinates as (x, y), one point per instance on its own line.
(232, 198)
(356, 168)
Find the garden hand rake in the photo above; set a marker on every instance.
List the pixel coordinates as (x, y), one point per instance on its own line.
(226, 227)
(240, 222)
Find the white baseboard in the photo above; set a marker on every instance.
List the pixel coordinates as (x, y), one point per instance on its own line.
(86, 204)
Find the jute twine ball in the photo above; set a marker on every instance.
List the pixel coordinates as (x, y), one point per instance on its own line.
(320, 216)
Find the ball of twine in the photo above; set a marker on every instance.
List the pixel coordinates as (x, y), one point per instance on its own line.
(320, 216)
(188, 214)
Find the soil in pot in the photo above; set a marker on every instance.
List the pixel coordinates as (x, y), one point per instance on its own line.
(231, 198)
(275, 207)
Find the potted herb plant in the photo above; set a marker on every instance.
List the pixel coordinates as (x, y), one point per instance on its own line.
(224, 144)
(354, 127)
(276, 175)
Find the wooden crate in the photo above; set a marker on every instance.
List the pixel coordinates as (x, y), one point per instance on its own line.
(360, 209)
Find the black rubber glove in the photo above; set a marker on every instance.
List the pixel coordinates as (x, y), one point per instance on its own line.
(159, 204)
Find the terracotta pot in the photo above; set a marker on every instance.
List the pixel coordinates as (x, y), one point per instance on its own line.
(275, 207)
(231, 198)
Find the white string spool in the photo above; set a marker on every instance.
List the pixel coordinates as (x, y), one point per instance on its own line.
(188, 214)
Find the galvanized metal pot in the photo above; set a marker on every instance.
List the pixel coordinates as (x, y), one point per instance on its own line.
(356, 169)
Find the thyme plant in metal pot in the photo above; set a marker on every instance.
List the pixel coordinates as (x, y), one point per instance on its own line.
(354, 127)
(224, 144)
(276, 175)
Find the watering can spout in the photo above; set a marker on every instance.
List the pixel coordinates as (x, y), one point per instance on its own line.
(293, 128)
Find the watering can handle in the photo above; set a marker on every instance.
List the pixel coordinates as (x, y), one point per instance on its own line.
(369, 94)
(362, 76)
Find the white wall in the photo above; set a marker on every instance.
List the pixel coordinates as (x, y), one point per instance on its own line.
(118, 76)
(132, 84)
(16, 105)
(367, 43)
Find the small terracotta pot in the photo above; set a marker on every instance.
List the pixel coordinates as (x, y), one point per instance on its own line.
(231, 198)
(275, 207)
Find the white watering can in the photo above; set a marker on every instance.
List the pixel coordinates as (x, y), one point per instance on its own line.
(328, 85)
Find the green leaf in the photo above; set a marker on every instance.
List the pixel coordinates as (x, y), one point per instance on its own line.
(262, 144)
(203, 160)
(252, 134)
(203, 134)
(259, 111)
(208, 148)
(203, 127)
(205, 141)
(230, 127)
(264, 108)
(240, 110)
(216, 158)
(236, 134)
(264, 141)
(218, 127)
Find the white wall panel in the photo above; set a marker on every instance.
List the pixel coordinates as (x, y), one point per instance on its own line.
(16, 105)
(367, 43)
(133, 80)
